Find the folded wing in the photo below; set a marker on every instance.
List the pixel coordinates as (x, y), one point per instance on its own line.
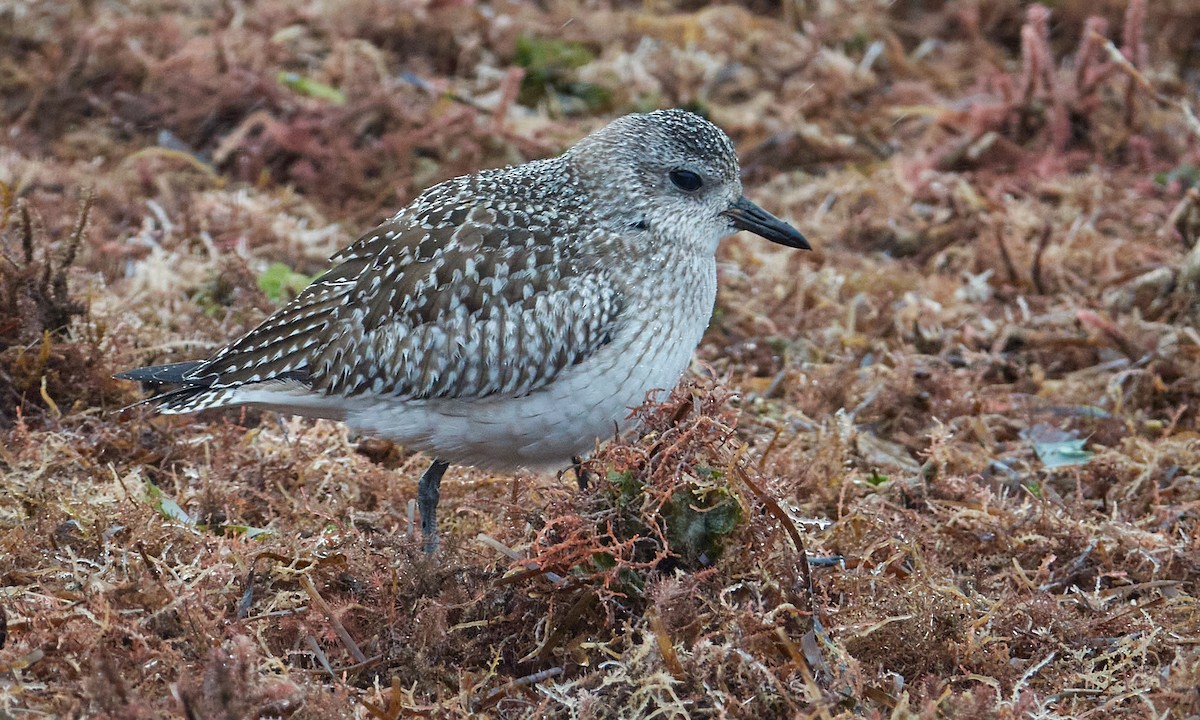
(473, 306)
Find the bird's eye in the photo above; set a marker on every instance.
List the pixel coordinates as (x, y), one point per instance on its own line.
(686, 180)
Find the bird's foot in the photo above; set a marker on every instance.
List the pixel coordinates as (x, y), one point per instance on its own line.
(581, 475)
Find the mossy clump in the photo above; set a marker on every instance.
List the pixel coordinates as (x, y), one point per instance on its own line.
(699, 518)
(550, 66)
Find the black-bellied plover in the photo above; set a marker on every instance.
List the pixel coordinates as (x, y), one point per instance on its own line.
(506, 319)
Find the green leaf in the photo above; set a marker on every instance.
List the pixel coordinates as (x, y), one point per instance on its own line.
(629, 488)
(251, 533)
(307, 86)
(1186, 175)
(1056, 448)
(166, 505)
(1059, 454)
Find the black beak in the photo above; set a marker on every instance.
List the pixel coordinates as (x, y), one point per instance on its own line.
(748, 216)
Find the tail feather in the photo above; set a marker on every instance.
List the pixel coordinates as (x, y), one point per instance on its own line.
(171, 374)
(191, 398)
(193, 394)
(199, 391)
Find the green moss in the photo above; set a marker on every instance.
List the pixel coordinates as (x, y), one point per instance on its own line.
(698, 520)
(628, 487)
(280, 283)
(550, 66)
(550, 55)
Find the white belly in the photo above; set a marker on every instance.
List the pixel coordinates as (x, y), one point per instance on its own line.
(544, 429)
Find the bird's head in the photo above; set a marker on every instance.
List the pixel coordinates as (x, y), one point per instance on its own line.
(676, 175)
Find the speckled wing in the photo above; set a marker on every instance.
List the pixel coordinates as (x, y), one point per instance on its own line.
(480, 303)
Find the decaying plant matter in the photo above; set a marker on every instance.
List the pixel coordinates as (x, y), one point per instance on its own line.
(944, 466)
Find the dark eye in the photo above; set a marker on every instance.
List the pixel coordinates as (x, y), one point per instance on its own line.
(686, 180)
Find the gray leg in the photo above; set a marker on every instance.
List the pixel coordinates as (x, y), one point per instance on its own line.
(428, 493)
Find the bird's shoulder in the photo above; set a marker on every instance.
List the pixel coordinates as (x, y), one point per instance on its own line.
(494, 209)
(468, 244)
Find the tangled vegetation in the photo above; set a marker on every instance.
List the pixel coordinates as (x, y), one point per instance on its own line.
(947, 465)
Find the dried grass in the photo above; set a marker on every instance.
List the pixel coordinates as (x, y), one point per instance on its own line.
(1003, 200)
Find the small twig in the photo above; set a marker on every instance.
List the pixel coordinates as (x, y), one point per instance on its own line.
(277, 614)
(1173, 420)
(121, 481)
(1036, 271)
(53, 406)
(808, 642)
(498, 694)
(773, 508)
(1189, 116)
(76, 239)
(1009, 267)
(154, 572)
(772, 390)
(677, 417)
(1075, 566)
(319, 654)
(377, 711)
(531, 566)
(667, 648)
(247, 596)
(1109, 329)
(307, 583)
(440, 92)
(411, 531)
(1127, 67)
(510, 87)
(871, 397)
(1180, 214)
(255, 121)
(165, 153)
(26, 231)
(790, 527)
(6, 203)
(762, 459)
(1033, 670)
(583, 606)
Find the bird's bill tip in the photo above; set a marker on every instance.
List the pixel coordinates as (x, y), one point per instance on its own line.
(746, 215)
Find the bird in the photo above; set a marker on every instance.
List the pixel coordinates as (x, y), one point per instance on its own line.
(507, 319)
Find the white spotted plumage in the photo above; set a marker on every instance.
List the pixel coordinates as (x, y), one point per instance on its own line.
(504, 319)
